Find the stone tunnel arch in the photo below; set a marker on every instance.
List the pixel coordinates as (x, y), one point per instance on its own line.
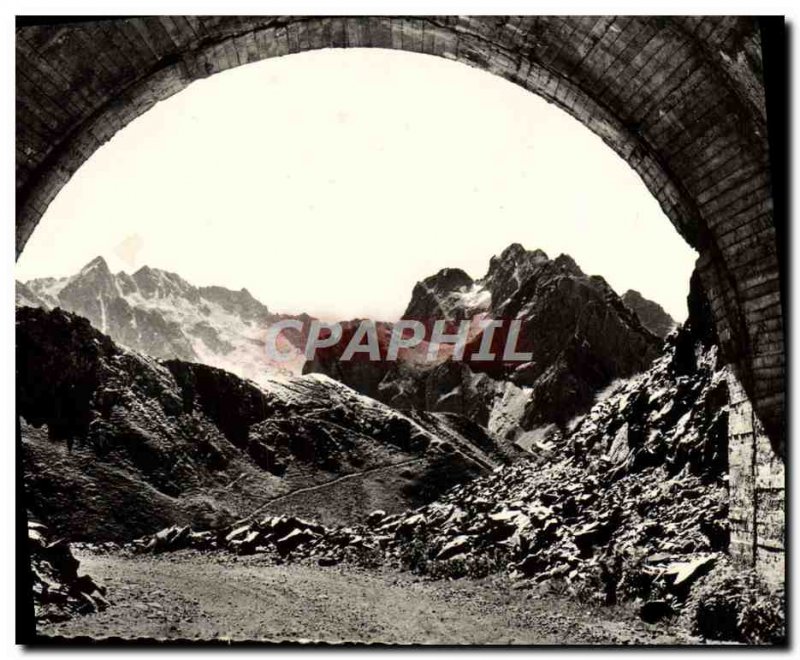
(681, 100)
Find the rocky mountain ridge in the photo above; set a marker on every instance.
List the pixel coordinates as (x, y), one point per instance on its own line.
(651, 314)
(159, 313)
(581, 334)
(116, 443)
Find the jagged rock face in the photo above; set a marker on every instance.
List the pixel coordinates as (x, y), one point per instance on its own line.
(627, 502)
(157, 312)
(117, 444)
(700, 323)
(508, 273)
(59, 591)
(619, 502)
(651, 314)
(450, 294)
(27, 297)
(581, 334)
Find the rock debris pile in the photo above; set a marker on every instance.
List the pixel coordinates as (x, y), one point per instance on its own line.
(628, 501)
(287, 537)
(58, 590)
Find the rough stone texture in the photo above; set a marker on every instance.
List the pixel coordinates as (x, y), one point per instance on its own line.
(630, 496)
(679, 98)
(580, 336)
(757, 491)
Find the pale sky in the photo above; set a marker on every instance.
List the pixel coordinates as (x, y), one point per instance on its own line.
(330, 182)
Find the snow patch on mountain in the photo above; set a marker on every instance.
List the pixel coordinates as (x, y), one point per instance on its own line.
(159, 313)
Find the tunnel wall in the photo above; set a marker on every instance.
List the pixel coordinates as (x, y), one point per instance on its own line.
(757, 484)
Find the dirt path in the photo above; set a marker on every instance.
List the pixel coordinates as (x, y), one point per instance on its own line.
(190, 596)
(329, 484)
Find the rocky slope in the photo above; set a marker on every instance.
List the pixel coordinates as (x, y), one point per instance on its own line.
(629, 499)
(157, 312)
(581, 334)
(651, 314)
(58, 590)
(637, 486)
(116, 443)
(626, 502)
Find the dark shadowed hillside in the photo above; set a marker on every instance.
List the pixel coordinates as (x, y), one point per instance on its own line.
(116, 444)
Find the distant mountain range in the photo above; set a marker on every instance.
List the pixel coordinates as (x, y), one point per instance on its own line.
(136, 415)
(583, 334)
(159, 313)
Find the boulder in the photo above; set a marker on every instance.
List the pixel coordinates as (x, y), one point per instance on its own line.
(409, 525)
(686, 572)
(293, 540)
(376, 517)
(59, 592)
(327, 560)
(532, 564)
(246, 545)
(457, 546)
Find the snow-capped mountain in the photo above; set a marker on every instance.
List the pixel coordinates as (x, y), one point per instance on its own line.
(159, 313)
(583, 335)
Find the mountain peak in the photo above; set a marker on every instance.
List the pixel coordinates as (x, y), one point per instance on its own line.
(567, 263)
(632, 294)
(98, 264)
(651, 314)
(511, 267)
(448, 279)
(147, 273)
(516, 252)
(516, 255)
(513, 251)
(435, 295)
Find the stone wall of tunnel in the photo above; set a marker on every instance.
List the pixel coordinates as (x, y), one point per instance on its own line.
(680, 99)
(757, 481)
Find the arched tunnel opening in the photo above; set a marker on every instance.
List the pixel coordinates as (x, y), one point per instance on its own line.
(681, 100)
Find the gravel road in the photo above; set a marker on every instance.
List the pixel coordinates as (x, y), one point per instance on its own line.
(187, 595)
